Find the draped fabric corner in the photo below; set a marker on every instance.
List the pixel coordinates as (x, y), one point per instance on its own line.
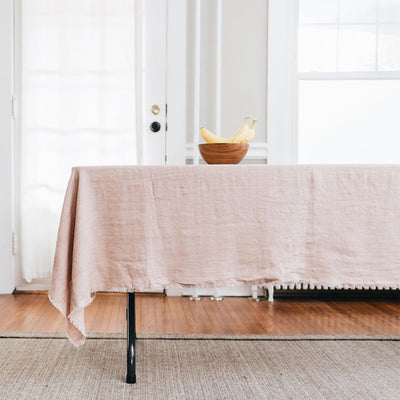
(78, 107)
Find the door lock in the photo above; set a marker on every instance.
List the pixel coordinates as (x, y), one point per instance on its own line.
(155, 109)
(155, 126)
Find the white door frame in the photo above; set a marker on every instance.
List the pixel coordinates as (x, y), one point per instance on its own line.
(282, 82)
(7, 279)
(150, 79)
(176, 81)
(161, 79)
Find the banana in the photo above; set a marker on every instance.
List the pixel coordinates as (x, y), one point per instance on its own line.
(210, 137)
(241, 131)
(243, 135)
(246, 137)
(252, 132)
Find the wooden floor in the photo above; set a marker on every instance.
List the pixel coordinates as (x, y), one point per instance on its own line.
(161, 314)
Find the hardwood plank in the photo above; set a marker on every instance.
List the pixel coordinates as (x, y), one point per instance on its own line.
(274, 317)
(310, 317)
(238, 317)
(178, 317)
(191, 310)
(258, 315)
(49, 316)
(291, 318)
(165, 320)
(27, 312)
(161, 314)
(352, 318)
(90, 314)
(145, 321)
(120, 322)
(217, 319)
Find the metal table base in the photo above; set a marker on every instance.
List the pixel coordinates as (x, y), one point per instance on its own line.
(131, 339)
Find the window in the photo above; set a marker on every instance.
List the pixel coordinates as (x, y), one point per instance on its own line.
(77, 96)
(348, 81)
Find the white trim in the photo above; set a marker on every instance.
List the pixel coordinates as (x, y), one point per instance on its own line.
(239, 290)
(7, 278)
(376, 36)
(33, 287)
(153, 54)
(366, 75)
(282, 81)
(334, 24)
(176, 81)
(19, 280)
(139, 77)
(218, 67)
(197, 79)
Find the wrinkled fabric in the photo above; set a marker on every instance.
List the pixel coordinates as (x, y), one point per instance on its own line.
(149, 227)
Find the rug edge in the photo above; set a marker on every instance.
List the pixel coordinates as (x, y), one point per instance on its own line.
(195, 336)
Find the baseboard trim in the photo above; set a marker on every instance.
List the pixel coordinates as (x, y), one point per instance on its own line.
(33, 287)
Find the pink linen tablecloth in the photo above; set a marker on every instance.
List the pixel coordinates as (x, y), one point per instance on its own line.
(149, 227)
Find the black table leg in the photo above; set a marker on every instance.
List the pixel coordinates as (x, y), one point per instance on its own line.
(131, 338)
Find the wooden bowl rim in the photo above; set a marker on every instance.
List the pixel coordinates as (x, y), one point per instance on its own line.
(224, 144)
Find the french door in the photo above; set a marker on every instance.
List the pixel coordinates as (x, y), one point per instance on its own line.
(90, 90)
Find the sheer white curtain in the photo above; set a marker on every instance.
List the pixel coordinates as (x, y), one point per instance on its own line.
(77, 107)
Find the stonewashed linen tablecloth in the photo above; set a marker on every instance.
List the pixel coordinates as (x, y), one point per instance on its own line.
(148, 227)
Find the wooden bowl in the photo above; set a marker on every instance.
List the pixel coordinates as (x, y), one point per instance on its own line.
(223, 153)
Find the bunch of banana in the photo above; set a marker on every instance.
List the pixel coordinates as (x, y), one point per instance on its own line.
(243, 135)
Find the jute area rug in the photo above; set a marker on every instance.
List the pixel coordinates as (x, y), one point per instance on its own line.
(201, 367)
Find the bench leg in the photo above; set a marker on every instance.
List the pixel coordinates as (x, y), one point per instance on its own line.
(254, 293)
(270, 289)
(131, 339)
(195, 296)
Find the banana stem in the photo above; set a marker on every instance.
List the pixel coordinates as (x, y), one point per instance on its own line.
(254, 122)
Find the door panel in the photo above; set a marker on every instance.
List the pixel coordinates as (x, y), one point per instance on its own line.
(150, 78)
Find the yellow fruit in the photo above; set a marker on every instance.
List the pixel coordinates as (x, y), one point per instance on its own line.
(251, 133)
(210, 137)
(246, 137)
(241, 131)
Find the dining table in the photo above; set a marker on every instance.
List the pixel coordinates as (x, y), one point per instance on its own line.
(144, 228)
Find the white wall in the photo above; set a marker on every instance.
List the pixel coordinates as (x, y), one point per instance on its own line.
(6, 257)
(244, 65)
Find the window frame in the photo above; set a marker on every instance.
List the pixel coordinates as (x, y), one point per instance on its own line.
(282, 82)
(284, 78)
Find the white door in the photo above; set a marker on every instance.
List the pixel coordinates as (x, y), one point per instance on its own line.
(151, 28)
(90, 90)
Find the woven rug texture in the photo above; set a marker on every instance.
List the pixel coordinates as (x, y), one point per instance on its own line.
(178, 368)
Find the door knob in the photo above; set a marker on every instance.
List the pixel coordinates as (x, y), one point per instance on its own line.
(155, 126)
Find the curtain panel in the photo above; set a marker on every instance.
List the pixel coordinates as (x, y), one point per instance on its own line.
(78, 108)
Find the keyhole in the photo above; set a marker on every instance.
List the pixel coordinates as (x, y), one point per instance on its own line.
(155, 126)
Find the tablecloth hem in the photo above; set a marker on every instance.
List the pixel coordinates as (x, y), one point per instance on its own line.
(259, 282)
